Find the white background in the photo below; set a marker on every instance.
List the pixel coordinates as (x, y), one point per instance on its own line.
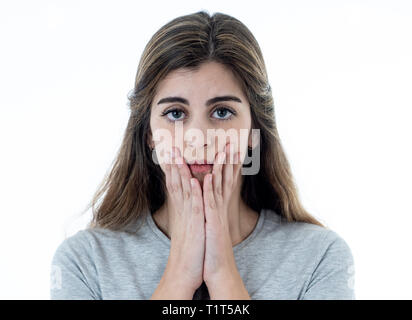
(340, 72)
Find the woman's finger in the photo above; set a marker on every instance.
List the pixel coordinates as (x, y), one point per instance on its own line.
(197, 197)
(228, 171)
(237, 166)
(185, 175)
(217, 176)
(208, 195)
(168, 171)
(176, 183)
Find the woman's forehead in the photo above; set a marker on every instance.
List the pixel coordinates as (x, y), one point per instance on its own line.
(210, 80)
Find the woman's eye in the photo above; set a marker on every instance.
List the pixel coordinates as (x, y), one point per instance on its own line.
(173, 115)
(223, 113)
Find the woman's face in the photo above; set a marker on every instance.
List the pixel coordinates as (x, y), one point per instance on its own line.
(184, 123)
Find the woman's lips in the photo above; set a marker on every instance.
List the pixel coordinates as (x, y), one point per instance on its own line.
(200, 168)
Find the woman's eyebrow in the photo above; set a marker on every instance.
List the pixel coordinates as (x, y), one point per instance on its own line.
(208, 102)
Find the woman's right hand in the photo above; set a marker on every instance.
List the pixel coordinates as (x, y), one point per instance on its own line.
(186, 223)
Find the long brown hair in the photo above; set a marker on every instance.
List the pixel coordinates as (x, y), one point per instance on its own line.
(135, 185)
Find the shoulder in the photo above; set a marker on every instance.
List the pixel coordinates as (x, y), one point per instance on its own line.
(80, 258)
(74, 249)
(88, 243)
(73, 270)
(74, 266)
(75, 242)
(315, 242)
(90, 239)
(321, 253)
(276, 224)
(333, 272)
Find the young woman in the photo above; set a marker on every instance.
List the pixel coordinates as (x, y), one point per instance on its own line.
(198, 223)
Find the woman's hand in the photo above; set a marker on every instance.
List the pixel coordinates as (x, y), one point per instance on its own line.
(217, 191)
(187, 223)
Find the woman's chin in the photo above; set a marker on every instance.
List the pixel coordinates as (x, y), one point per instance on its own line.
(200, 176)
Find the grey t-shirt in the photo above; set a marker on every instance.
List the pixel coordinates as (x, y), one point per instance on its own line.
(278, 260)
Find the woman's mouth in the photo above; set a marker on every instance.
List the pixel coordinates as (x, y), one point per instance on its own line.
(200, 168)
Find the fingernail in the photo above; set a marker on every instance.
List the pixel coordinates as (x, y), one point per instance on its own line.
(173, 153)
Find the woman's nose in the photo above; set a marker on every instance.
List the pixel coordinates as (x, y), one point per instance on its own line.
(196, 135)
(197, 140)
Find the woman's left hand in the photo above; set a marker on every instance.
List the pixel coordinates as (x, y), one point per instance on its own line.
(219, 262)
